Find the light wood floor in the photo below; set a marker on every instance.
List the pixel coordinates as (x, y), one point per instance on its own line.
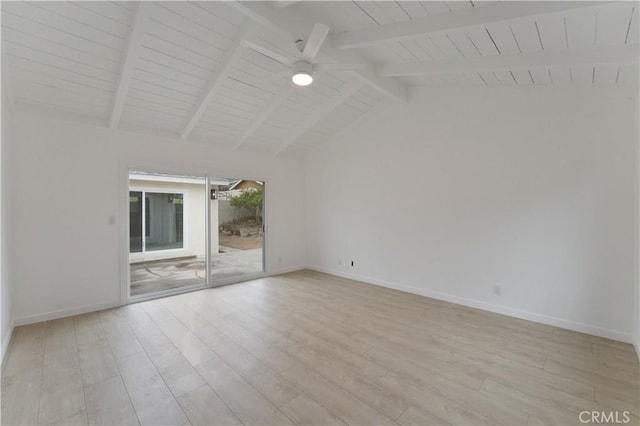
(309, 348)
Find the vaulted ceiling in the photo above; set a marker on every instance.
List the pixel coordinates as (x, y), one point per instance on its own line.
(219, 72)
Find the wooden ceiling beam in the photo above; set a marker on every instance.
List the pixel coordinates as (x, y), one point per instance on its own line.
(592, 56)
(134, 44)
(284, 3)
(278, 99)
(316, 116)
(470, 17)
(227, 64)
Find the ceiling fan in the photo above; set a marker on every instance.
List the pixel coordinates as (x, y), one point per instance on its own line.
(302, 69)
(302, 65)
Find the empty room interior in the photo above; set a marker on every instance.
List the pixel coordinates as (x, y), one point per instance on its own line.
(320, 213)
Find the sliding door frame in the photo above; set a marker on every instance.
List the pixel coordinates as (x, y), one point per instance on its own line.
(207, 229)
(125, 270)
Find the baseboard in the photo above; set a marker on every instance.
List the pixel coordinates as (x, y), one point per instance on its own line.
(504, 310)
(5, 345)
(286, 270)
(31, 319)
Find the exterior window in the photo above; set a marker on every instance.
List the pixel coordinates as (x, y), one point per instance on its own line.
(163, 222)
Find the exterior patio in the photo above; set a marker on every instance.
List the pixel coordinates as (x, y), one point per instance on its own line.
(155, 276)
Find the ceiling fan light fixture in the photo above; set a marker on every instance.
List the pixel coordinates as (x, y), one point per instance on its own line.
(302, 78)
(302, 73)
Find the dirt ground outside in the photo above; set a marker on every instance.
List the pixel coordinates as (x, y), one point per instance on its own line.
(240, 243)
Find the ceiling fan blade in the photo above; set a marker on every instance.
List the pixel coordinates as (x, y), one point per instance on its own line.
(270, 52)
(341, 67)
(273, 78)
(314, 42)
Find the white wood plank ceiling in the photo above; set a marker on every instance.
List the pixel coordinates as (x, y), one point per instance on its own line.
(217, 72)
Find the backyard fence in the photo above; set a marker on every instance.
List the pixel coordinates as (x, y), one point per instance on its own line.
(227, 213)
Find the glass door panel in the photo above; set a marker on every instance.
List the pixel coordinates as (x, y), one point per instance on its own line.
(171, 252)
(236, 229)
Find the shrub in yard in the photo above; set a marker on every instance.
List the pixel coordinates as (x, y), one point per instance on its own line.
(233, 227)
(250, 199)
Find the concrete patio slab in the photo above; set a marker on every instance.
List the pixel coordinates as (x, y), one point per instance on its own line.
(151, 277)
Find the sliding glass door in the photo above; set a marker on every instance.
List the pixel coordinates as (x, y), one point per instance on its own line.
(187, 232)
(167, 232)
(237, 229)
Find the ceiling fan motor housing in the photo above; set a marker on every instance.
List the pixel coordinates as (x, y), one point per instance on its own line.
(302, 67)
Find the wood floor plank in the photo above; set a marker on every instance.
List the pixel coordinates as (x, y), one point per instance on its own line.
(272, 355)
(340, 402)
(62, 393)
(619, 400)
(178, 373)
(512, 372)
(245, 401)
(359, 364)
(546, 411)
(21, 359)
(359, 386)
(609, 365)
(153, 402)
(203, 407)
(97, 364)
(108, 404)
(416, 417)
(277, 390)
(305, 411)
(431, 401)
(425, 368)
(78, 419)
(599, 381)
(311, 349)
(21, 397)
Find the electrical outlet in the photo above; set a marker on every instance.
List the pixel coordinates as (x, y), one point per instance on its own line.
(497, 290)
(352, 263)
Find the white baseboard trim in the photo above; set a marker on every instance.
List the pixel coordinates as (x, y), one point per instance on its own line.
(5, 345)
(504, 310)
(286, 270)
(31, 319)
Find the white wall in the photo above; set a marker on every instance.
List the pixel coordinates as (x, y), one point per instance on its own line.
(6, 315)
(72, 177)
(637, 233)
(456, 192)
